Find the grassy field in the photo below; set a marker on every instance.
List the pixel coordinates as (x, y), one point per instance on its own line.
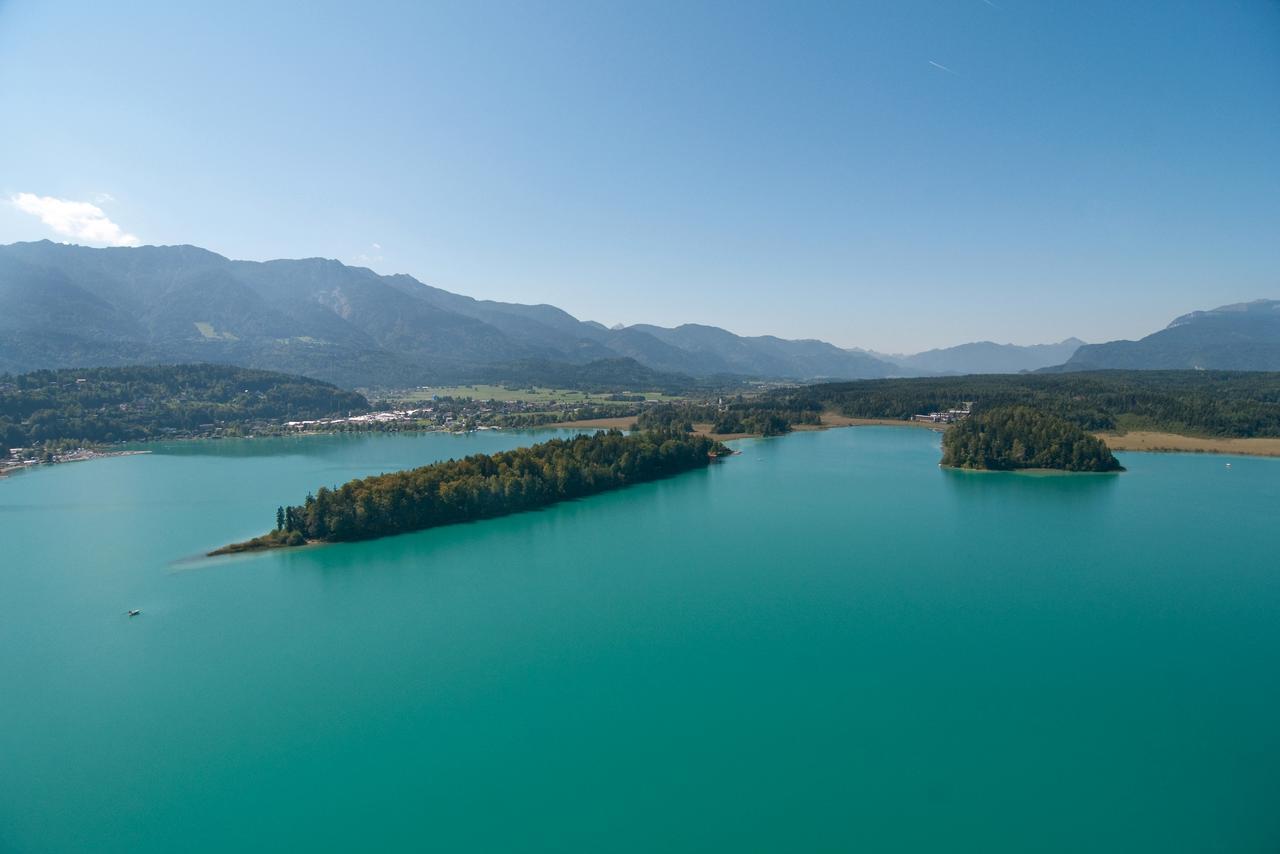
(530, 394)
(1147, 440)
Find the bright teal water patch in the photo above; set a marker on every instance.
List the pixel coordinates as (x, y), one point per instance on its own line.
(824, 644)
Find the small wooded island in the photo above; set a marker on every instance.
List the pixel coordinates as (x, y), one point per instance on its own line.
(483, 486)
(1020, 437)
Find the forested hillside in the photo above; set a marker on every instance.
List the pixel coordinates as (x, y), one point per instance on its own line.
(122, 404)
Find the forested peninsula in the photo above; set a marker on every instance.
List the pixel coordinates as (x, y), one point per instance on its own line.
(483, 486)
(759, 415)
(1019, 437)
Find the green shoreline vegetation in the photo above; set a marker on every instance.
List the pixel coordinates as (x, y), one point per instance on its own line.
(1019, 437)
(483, 486)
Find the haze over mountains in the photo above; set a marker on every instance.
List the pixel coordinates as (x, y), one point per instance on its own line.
(985, 357)
(73, 306)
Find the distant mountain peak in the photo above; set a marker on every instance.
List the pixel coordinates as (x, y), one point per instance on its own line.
(988, 357)
(1258, 307)
(1242, 336)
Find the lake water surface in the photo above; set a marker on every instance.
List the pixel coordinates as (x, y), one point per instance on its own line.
(824, 644)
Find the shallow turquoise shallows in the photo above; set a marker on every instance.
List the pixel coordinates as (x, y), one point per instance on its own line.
(824, 644)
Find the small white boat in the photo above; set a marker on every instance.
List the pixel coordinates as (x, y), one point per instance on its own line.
(135, 612)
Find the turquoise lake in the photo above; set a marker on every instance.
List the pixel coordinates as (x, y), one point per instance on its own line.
(827, 643)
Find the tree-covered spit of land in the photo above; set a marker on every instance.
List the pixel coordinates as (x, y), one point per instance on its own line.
(483, 486)
(1007, 438)
(762, 416)
(103, 405)
(1196, 403)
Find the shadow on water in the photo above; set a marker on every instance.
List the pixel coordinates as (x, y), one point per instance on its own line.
(1070, 489)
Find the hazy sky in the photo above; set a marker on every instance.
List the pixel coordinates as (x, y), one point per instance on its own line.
(891, 174)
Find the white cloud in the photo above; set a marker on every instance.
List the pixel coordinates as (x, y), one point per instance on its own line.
(368, 259)
(81, 220)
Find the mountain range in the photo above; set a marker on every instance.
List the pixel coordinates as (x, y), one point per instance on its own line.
(68, 306)
(1240, 337)
(984, 357)
(74, 306)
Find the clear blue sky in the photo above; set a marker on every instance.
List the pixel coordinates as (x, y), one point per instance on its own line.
(892, 174)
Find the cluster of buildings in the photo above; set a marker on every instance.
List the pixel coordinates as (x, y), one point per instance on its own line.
(950, 416)
(387, 417)
(446, 414)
